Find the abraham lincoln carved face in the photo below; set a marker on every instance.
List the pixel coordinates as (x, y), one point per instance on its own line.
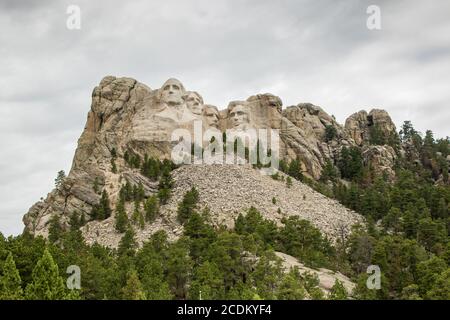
(239, 115)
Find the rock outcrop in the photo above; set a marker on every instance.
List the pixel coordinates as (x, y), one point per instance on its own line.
(359, 125)
(381, 159)
(327, 278)
(129, 117)
(227, 190)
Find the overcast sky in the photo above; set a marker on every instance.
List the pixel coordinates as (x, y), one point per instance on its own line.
(303, 51)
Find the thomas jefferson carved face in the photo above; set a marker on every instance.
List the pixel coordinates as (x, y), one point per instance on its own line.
(194, 102)
(239, 116)
(172, 92)
(211, 115)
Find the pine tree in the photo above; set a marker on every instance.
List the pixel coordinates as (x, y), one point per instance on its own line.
(151, 208)
(113, 166)
(187, 205)
(102, 210)
(10, 282)
(55, 230)
(121, 217)
(141, 221)
(289, 182)
(295, 169)
(95, 186)
(60, 178)
(46, 283)
(138, 217)
(291, 287)
(338, 291)
(330, 133)
(165, 185)
(75, 221)
(127, 245)
(133, 289)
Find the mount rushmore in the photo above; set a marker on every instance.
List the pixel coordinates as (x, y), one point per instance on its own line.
(128, 116)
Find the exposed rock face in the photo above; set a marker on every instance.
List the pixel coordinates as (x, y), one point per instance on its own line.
(227, 190)
(358, 125)
(327, 278)
(128, 116)
(381, 159)
(361, 126)
(303, 132)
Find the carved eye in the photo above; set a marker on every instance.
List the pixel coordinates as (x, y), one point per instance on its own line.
(175, 87)
(166, 88)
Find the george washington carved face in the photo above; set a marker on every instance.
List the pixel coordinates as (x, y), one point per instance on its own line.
(194, 102)
(172, 92)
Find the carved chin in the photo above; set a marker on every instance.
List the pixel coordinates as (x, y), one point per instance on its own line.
(174, 102)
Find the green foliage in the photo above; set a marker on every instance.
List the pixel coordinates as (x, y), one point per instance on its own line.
(407, 132)
(254, 224)
(208, 284)
(151, 208)
(295, 169)
(187, 205)
(338, 291)
(288, 182)
(179, 269)
(406, 235)
(95, 186)
(133, 289)
(350, 163)
(132, 159)
(330, 133)
(113, 166)
(135, 217)
(441, 289)
(10, 281)
(76, 221)
(165, 186)
(121, 216)
(291, 286)
(301, 239)
(54, 230)
(128, 244)
(102, 210)
(46, 283)
(60, 177)
(329, 172)
(380, 137)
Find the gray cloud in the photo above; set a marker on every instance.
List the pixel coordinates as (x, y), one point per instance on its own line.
(303, 51)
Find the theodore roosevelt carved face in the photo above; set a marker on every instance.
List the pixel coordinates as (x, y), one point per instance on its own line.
(211, 116)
